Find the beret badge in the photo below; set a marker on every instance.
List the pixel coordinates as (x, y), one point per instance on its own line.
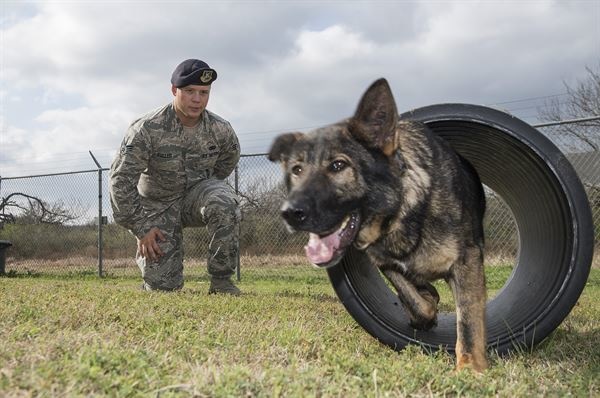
(206, 76)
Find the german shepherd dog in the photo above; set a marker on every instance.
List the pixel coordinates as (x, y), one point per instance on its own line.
(395, 190)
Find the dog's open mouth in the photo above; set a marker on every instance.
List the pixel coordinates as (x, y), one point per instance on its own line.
(327, 251)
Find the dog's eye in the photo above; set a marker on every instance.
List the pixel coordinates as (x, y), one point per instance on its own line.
(297, 170)
(338, 165)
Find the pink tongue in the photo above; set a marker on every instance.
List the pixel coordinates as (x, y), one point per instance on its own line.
(321, 250)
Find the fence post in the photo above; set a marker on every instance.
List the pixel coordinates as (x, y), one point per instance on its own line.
(237, 191)
(100, 218)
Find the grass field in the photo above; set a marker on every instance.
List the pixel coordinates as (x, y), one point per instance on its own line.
(285, 337)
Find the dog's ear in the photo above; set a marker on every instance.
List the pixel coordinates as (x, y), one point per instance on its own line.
(374, 122)
(280, 149)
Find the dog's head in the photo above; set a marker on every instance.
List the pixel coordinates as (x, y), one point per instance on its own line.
(338, 175)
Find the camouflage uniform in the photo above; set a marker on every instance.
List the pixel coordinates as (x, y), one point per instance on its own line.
(166, 177)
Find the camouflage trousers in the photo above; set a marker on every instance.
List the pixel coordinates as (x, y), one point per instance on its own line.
(211, 203)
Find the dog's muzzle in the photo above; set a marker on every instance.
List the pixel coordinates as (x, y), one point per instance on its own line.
(326, 251)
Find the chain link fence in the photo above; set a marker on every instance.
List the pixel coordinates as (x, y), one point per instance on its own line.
(74, 239)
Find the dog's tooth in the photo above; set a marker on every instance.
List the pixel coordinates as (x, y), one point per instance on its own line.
(343, 226)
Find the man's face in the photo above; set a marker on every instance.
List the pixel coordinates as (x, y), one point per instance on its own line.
(191, 100)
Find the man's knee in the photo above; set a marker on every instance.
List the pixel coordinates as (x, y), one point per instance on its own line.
(211, 202)
(161, 275)
(221, 210)
(167, 272)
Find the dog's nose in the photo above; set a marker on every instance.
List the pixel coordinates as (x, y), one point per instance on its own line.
(294, 214)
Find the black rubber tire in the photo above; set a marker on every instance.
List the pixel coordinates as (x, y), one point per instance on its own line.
(553, 217)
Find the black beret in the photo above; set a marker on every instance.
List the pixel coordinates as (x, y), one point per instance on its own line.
(193, 71)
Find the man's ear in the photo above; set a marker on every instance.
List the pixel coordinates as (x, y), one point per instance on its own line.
(374, 122)
(173, 89)
(281, 147)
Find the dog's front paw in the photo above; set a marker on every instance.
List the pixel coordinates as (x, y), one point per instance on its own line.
(473, 362)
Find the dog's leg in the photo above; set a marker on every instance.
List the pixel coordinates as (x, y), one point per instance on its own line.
(468, 286)
(420, 301)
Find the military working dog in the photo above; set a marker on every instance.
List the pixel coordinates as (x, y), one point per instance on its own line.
(399, 192)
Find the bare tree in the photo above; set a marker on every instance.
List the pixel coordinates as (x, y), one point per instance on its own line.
(32, 210)
(583, 102)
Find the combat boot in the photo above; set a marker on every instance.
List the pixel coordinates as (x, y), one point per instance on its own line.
(223, 286)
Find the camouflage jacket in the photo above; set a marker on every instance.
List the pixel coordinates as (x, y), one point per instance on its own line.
(158, 161)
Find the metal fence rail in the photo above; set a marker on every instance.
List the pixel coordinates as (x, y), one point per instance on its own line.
(84, 243)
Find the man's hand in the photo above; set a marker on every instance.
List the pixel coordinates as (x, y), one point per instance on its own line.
(148, 245)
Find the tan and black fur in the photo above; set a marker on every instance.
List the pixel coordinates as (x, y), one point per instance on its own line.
(394, 189)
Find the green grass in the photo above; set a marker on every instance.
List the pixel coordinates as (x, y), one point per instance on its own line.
(82, 336)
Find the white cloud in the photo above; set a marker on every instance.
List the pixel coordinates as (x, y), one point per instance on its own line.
(303, 79)
(329, 47)
(79, 130)
(62, 138)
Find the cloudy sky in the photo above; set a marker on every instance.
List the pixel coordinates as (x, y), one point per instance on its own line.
(74, 74)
